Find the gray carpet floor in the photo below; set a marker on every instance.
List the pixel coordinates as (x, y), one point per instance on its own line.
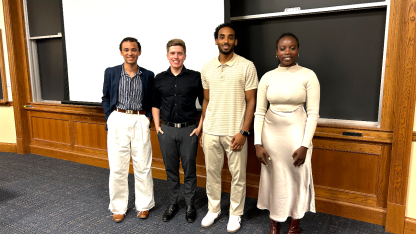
(45, 195)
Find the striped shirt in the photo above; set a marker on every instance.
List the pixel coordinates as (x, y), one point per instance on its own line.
(227, 84)
(130, 91)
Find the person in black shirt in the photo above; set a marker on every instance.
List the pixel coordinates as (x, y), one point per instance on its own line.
(174, 96)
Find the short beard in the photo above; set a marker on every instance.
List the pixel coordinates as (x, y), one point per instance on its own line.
(226, 52)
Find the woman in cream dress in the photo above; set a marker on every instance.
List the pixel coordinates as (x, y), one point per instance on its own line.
(283, 136)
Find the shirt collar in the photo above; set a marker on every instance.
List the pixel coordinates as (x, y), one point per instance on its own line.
(139, 72)
(229, 63)
(184, 70)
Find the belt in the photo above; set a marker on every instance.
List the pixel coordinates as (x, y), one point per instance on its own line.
(131, 112)
(179, 125)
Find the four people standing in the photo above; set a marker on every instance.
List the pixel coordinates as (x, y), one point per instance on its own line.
(228, 86)
(174, 96)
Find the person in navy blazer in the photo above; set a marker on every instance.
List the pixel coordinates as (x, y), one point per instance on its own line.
(127, 104)
(111, 86)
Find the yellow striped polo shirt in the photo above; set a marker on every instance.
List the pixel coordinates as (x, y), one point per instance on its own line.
(227, 84)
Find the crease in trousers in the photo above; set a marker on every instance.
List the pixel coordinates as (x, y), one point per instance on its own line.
(129, 136)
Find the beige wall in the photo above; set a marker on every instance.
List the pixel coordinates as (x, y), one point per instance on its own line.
(411, 191)
(6, 59)
(7, 125)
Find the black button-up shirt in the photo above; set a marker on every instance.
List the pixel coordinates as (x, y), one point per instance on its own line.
(175, 96)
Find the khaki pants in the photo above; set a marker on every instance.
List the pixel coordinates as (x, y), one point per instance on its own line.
(129, 135)
(214, 148)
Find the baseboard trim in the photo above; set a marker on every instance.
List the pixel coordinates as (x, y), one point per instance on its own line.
(352, 211)
(8, 147)
(409, 226)
(69, 156)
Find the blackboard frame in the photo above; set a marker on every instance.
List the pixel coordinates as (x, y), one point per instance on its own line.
(386, 5)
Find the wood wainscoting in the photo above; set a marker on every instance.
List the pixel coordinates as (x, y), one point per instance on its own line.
(350, 173)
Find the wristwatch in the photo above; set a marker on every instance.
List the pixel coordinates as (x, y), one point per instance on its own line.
(244, 133)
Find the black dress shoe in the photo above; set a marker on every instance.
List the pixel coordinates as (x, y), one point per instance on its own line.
(190, 214)
(170, 212)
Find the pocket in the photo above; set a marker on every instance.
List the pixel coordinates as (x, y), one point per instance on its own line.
(194, 139)
(147, 119)
(109, 117)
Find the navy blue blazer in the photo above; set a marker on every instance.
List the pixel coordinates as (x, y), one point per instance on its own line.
(110, 90)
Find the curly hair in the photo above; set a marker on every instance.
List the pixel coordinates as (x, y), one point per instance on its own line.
(230, 25)
(131, 39)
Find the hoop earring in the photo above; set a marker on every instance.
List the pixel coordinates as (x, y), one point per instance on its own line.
(298, 55)
(277, 57)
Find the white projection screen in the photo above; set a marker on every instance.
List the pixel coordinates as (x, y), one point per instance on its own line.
(95, 28)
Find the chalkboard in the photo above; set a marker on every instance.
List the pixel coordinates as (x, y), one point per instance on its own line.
(254, 7)
(51, 69)
(44, 17)
(344, 49)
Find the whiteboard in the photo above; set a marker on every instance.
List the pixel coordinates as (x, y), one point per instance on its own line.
(95, 28)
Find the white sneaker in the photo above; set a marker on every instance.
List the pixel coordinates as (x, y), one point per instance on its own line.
(234, 223)
(209, 219)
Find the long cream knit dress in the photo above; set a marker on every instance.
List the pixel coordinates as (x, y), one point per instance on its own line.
(286, 190)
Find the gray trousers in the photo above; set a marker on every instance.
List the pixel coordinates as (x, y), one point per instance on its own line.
(176, 144)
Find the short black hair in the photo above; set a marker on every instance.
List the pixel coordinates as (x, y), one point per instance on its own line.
(131, 39)
(230, 25)
(288, 34)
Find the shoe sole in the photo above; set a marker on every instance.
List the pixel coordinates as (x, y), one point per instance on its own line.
(233, 231)
(167, 220)
(212, 222)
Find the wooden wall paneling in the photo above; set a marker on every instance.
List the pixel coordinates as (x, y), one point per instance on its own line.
(347, 178)
(345, 196)
(89, 136)
(69, 155)
(333, 169)
(395, 218)
(404, 12)
(346, 146)
(8, 147)
(19, 69)
(410, 226)
(414, 136)
(368, 134)
(374, 215)
(50, 130)
(383, 176)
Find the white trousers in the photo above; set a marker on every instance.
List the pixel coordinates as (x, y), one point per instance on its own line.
(214, 148)
(129, 135)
